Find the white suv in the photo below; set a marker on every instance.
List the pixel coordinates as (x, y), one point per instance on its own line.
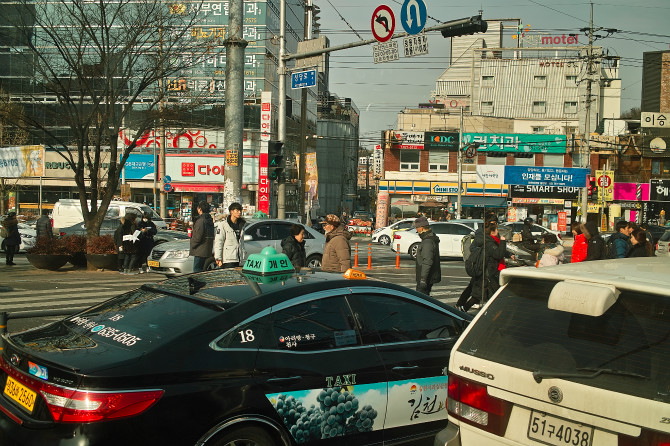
(574, 354)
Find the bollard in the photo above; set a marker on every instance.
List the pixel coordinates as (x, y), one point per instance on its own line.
(356, 256)
(369, 256)
(397, 258)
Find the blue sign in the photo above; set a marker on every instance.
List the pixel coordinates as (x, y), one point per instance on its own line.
(517, 142)
(413, 16)
(139, 167)
(303, 79)
(167, 179)
(546, 176)
(167, 187)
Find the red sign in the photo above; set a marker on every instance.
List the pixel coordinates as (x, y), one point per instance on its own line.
(188, 169)
(383, 23)
(604, 181)
(563, 221)
(263, 181)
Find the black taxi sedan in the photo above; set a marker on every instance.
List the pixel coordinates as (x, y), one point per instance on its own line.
(257, 356)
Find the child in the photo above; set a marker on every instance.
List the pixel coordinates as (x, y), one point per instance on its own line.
(552, 253)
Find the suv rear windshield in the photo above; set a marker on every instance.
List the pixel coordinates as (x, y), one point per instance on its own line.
(632, 339)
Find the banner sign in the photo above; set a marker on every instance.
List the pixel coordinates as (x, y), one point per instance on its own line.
(490, 174)
(21, 161)
(631, 191)
(566, 193)
(266, 116)
(378, 161)
(139, 167)
(659, 190)
(407, 140)
(441, 141)
(517, 142)
(546, 176)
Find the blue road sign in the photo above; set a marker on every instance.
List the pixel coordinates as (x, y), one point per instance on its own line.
(303, 79)
(167, 179)
(413, 16)
(167, 187)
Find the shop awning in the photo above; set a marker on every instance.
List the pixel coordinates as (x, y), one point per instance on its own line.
(480, 202)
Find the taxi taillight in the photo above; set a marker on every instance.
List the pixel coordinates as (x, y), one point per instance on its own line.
(68, 405)
(470, 402)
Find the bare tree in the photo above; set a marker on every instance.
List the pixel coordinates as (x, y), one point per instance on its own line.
(105, 63)
(10, 135)
(633, 113)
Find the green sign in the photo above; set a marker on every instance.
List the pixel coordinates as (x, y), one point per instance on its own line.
(517, 142)
(267, 263)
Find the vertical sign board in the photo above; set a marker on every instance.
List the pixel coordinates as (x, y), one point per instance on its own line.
(378, 161)
(266, 128)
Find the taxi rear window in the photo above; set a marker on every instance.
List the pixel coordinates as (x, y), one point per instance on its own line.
(632, 338)
(140, 318)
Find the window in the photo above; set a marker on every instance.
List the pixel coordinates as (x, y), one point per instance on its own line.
(487, 107)
(261, 232)
(539, 81)
(487, 81)
(317, 325)
(569, 130)
(438, 161)
(539, 107)
(577, 160)
(496, 160)
(450, 229)
(538, 129)
(530, 161)
(409, 159)
(553, 160)
(404, 225)
(570, 80)
(570, 108)
(400, 320)
(112, 212)
(282, 231)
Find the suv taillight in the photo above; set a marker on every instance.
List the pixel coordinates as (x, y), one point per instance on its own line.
(470, 402)
(68, 405)
(647, 438)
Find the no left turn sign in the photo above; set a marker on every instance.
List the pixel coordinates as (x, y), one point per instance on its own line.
(383, 23)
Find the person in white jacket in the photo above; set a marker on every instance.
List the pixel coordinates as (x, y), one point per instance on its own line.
(227, 232)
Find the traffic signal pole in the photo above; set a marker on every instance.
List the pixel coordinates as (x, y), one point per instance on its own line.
(281, 119)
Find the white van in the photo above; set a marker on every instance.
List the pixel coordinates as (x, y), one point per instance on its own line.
(67, 212)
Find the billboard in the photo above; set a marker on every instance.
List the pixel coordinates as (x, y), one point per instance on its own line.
(517, 142)
(546, 176)
(21, 161)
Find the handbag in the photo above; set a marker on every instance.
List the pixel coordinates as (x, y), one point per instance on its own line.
(4, 233)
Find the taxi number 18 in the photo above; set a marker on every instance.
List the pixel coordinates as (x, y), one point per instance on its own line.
(247, 336)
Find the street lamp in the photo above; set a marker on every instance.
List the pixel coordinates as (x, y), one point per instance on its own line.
(475, 145)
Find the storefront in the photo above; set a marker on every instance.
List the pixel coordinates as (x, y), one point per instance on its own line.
(544, 204)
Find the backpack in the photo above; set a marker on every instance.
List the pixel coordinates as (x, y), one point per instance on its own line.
(473, 264)
(4, 233)
(610, 249)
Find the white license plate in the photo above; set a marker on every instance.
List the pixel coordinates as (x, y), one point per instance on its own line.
(556, 431)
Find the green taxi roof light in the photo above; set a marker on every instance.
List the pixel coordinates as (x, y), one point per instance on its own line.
(268, 263)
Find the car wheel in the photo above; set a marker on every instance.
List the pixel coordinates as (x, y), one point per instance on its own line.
(314, 261)
(245, 436)
(384, 240)
(413, 249)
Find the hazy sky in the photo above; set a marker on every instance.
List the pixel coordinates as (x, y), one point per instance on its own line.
(382, 90)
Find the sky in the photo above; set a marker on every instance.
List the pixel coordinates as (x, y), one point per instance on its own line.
(381, 91)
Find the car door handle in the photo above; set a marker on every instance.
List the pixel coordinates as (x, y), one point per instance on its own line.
(401, 369)
(287, 380)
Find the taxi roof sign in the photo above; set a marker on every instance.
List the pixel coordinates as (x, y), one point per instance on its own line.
(354, 274)
(268, 263)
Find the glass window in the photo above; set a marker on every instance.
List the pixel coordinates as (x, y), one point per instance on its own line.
(539, 107)
(317, 325)
(487, 81)
(525, 161)
(496, 160)
(655, 167)
(409, 159)
(282, 231)
(112, 212)
(253, 335)
(570, 80)
(401, 320)
(540, 81)
(261, 231)
(519, 330)
(438, 161)
(553, 160)
(570, 107)
(577, 159)
(538, 129)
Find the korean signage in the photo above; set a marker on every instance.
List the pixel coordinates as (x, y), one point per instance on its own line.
(139, 167)
(303, 79)
(195, 169)
(378, 161)
(407, 140)
(605, 182)
(546, 176)
(263, 181)
(659, 190)
(21, 161)
(266, 115)
(441, 141)
(566, 193)
(385, 52)
(415, 45)
(517, 142)
(491, 174)
(658, 120)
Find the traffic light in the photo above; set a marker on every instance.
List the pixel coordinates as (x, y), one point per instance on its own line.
(275, 160)
(462, 27)
(592, 188)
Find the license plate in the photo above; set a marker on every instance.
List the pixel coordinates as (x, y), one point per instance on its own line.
(557, 431)
(20, 393)
(153, 264)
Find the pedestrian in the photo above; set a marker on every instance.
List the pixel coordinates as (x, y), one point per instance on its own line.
(620, 240)
(294, 246)
(428, 270)
(12, 240)
(528, 239)
(640, 245)
(595, 248)
(227, 237)
(43, 227)
(337, 252)
(202, 237)
(487, 253)
(579, 243)
(650, 237)
(552, 251)
(661, 218)
(130, 245)
(344, 219)
(118, 241)
(147, 230)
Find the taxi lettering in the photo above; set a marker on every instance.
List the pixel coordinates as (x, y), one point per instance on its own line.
(344, 380)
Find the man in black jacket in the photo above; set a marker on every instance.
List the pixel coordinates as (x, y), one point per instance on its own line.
(528, 239)
(428, 271)
(202, 237)
(43, 226)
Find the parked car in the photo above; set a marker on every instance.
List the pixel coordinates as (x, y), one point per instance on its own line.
(573, 354)
(384, 235)
(108, 227)
(67, 212)
(656, 232)
(28, 236)
(473, 223)
(663, 245)
(537, 230)
(173, 258)
(232, 357)
(450, 234)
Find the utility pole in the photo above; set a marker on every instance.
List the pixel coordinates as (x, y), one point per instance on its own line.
(460, 167)
(302, 174)
(281, 119)
(161, 106)
(234, 125)
(587, 125)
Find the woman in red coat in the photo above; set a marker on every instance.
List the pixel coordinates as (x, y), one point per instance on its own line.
(579, 245)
